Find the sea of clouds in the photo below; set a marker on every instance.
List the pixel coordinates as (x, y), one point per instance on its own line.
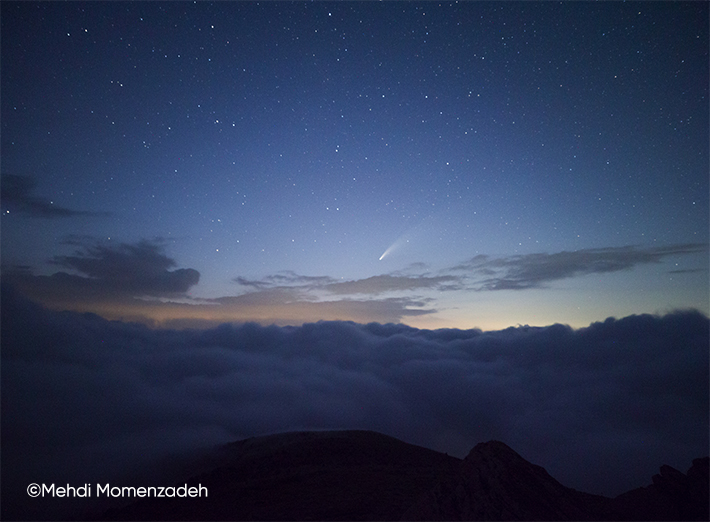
(601, 408)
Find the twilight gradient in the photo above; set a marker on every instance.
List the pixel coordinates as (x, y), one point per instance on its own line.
(186, 164)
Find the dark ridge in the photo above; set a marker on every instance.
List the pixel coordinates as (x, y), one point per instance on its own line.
(363, 475)
(671, 496)
(333, 475)
(495, 483)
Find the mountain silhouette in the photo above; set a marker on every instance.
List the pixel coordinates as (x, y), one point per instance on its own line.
(339, 475)
(495, 483)
(363, 475)
(671, 496)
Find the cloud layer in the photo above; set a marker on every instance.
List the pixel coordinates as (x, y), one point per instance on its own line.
(601, 407)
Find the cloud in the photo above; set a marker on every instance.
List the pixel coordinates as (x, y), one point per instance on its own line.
(138, 282)
(16, 195)
(275, 306)
(374, 285)
(535, 270)
(279, 305)
(134, 268)
(86, 400)
(390, 283)
(483, 272)
(106, 274)
(290, 298)
(287, 278)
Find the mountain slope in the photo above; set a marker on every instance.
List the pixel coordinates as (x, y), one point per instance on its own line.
(362, 475)
(495, 483)
(671, 496)
(345, 475)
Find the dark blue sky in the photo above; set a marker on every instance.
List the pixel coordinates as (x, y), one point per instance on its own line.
(516, 162)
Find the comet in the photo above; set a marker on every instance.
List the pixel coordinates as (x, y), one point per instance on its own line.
(410, 234)
(387, 251)
(393, 246)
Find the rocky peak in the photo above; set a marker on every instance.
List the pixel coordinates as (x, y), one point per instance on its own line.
(496, 483)
(671, 496)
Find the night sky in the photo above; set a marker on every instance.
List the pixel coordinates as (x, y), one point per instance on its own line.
(448, 223)
(450, 165)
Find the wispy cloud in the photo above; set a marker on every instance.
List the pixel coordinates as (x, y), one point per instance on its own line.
(375, 285)
(522, 272)
(286, 278)
(284, 306)
(16, 193)
(394, 283)
(481, 273)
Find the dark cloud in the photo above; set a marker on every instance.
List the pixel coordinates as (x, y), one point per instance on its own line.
(134, 268)
(534, 270)
(106, 273)
(85, 399)
(16, 195)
